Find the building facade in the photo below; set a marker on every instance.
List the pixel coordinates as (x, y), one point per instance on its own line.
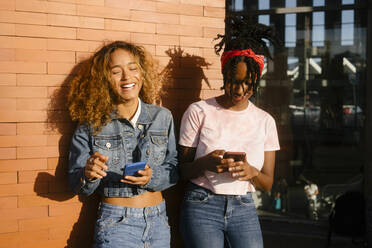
(316, 87)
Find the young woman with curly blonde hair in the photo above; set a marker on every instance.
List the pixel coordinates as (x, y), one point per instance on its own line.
(111, 99)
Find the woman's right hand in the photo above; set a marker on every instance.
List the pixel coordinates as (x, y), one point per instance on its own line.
(215, 162)
(95, 166)
(191, 168)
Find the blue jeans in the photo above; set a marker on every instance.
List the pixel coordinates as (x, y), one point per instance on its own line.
(119, 226)
(211, 220)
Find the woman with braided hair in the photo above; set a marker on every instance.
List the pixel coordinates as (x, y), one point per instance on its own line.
(218, 208)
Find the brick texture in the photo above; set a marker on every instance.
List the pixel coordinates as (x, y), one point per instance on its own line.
(40, 43)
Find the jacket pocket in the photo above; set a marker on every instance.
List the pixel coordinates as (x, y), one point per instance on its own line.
(247, 200)
(197, 195)
(159, 145)
(106, 226)
(110, 146)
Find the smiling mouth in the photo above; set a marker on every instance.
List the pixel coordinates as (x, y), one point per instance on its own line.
(127, 86)
(237, 95)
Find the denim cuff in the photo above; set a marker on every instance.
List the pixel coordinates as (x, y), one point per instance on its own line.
(150, 185)
(87, 186)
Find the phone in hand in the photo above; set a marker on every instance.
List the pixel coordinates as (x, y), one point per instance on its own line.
(133, 168)
(237, 156)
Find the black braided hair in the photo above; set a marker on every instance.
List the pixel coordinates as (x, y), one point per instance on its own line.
(242, 34)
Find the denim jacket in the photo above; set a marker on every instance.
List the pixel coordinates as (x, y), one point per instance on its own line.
(152, 141)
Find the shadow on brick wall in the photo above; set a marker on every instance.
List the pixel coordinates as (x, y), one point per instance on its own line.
(185, 76)
(59, 123)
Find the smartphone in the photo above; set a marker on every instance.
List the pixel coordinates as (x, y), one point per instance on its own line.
(133, 168)
(237, 156)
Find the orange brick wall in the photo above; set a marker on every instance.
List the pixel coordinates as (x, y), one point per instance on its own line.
(40, 43)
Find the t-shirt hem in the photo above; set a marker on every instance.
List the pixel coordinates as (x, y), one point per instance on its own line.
(187, 145)
(218, 192)
(272, 149)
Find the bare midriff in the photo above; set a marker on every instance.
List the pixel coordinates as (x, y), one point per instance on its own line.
(147, 199)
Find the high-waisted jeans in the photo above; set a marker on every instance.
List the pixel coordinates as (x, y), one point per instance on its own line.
(211, 220)
(119, 226)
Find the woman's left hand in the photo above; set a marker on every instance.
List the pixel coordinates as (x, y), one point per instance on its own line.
(242, 171)
(142, 180)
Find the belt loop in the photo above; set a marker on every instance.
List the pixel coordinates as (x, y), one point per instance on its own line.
(125, 212)
(147, 211)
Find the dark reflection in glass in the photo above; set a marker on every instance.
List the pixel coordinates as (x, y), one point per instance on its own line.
(315, 89)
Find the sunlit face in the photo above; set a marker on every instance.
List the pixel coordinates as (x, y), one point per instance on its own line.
(238, 88)
(126, 74)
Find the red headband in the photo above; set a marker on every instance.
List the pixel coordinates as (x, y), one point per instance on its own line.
(260, 59)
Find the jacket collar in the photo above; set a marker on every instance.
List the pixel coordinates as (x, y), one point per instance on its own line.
(145, 116)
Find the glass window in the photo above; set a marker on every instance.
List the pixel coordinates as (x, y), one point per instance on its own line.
(290, 33)
(292, 71)
(318, 3)
(238, 6)
(316, 93)
(263, 4)
(290, 36)
(344, 2)
(264, 19)
(290, 3)
(347, 16)
(318, 29)
(318, 18)
(347, 27)
(290, 19)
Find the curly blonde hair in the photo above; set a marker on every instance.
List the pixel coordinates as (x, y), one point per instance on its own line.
(92, 98)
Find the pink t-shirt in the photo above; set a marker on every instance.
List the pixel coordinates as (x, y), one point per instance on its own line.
(208, 126)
